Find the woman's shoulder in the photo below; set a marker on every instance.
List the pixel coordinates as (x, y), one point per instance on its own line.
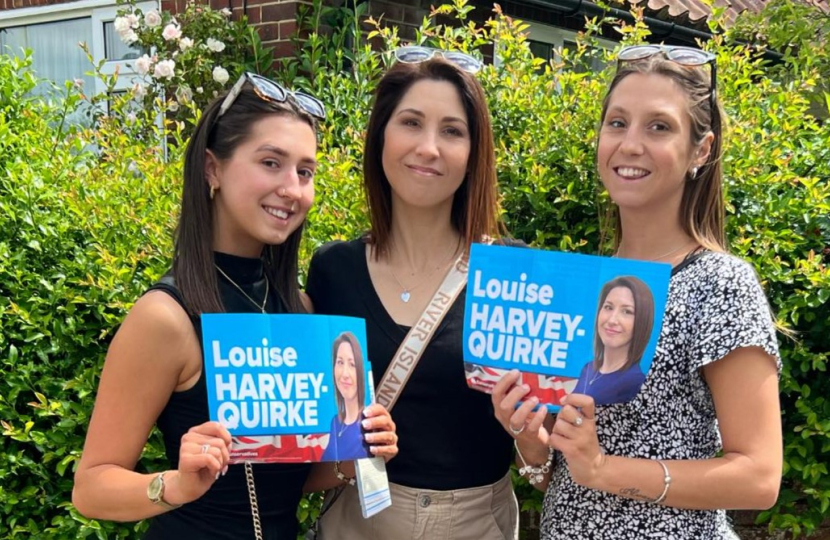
(508, 241)
(339, 250)
(718, 267)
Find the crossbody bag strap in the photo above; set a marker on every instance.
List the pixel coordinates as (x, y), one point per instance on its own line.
(418, 337)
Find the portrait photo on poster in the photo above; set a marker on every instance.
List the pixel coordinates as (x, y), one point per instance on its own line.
(346, 435)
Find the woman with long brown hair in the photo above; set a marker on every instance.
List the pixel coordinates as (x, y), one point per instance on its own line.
(704, 432)
(430, 181)
(248, 184)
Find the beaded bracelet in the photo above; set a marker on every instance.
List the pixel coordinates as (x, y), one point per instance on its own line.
(342, 477)
(666, 483)
(535, 475)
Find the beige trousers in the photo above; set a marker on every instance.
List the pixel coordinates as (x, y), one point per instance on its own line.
(482, 513)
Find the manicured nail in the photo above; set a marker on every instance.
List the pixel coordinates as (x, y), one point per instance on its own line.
(534, 400)
(225, 470)
(366, 424)
(218, 475)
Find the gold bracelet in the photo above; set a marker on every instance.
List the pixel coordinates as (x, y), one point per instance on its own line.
(666, 483)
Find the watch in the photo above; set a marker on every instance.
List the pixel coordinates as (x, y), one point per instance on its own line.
(155, 492)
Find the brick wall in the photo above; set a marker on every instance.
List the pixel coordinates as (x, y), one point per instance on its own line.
(15, 4)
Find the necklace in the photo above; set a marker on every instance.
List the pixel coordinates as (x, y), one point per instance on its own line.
(672, 252)
(251, 300)
(406, 291)
(596, 376)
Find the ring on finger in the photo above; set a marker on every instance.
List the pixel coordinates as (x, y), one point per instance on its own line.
(578, 421)
(514, 431)
(205, 448)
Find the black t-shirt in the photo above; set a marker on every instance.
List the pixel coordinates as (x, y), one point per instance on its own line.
(224, 512)
(448, 435)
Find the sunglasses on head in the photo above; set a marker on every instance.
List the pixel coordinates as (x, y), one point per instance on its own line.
(268, 90)
(418, 54)
(685, 56)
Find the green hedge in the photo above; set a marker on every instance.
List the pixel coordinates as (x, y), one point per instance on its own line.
(86, 218)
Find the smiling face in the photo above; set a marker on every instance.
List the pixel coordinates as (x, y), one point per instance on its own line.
(615, 321)
(345, 372)
(427, 145)
(645, 146)
(264, 190)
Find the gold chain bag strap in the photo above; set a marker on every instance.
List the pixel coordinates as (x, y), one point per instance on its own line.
(249, 477)
(418, 337)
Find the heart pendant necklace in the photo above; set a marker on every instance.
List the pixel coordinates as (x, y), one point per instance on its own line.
(406, 292)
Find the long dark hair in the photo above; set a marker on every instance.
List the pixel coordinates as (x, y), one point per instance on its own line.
(643, 319)
(702, 207)
(193, 259)
(475, 209)
(351, 339)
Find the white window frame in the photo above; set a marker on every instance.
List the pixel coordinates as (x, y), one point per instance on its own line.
(557, 37)
(98, 12)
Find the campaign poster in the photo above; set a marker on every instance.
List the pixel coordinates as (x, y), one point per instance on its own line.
(290, 388)
(569, 322)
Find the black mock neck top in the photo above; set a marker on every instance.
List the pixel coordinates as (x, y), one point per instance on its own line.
(224, 512)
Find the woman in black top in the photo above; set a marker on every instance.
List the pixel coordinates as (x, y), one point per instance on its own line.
(430, 180)
(248, 184)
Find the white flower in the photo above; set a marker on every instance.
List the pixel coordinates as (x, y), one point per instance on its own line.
(139, 90)
(173, 106)
(129, 37)
(132, 18)
(142, 65)
(184, 95)
(165, 69)
(171, 31)
(215, 45)
(131, 118)
(152, 19)
(199, 89)
(185, 43)
(122, 25)
(220, 75)
(78, 83)
(226, 12)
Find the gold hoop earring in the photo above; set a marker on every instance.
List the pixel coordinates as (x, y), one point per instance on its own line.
(212, 192)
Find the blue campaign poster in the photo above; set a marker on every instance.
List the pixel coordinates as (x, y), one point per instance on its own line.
(568, 322)
(289, 388)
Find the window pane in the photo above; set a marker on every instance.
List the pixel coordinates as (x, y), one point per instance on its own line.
(13, 41)
(115, 49)
(55, 51)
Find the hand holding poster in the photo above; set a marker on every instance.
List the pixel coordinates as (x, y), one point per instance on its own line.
(289, 388)
(568, 322)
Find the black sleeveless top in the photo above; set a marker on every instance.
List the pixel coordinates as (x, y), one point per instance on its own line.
(224, 512)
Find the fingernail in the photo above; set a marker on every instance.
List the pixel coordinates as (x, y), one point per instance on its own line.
(225, 470)
(514, 371)
(218, 475)
(526, 388)
(373, 450)
(534, 400)
(366, 424)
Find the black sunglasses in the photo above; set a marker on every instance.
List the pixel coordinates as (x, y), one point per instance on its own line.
(685, 56)
(268, 90)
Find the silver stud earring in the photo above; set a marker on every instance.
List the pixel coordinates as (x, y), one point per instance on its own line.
(694, 172)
